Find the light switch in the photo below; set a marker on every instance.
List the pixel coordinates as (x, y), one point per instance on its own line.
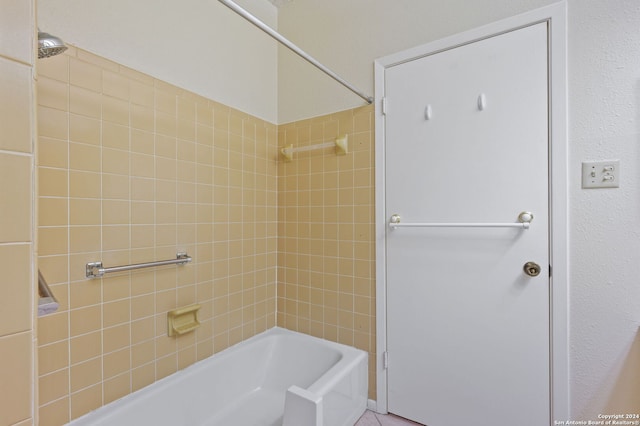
(601, 174)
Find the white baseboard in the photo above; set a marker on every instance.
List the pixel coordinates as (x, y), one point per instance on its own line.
(372, 405)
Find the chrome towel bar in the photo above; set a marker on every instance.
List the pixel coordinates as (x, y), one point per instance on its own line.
(96, 270)
(459, 225)
(524, 219)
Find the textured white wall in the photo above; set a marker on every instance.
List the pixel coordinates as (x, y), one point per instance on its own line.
(604, 123)
(199, 45)
(604, 97)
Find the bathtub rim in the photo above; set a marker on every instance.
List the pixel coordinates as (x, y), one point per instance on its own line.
(349, 357)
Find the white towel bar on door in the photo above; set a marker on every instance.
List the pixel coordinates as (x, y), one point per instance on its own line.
(96, 270)
(524, 218)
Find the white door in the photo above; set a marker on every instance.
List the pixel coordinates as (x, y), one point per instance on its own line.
(467, 142)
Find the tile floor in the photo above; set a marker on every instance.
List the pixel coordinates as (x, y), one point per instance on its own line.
(369, 418)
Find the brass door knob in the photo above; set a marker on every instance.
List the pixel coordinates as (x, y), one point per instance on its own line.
(532, 269)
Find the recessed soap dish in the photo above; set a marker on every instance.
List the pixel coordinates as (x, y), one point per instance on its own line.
(182, 320)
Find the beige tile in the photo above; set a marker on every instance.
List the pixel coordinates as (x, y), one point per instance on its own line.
(115, 110)
(84, 211)
(52, 153)
(53, 328)
(86, 400)
(165, 168)
(56, 272)
(142, 189)
(15, 261)
(116, 186)
(166, 366)
(115, 237)
(52, 212)
(85, 347)
(102, 63)
(53, 123)
(115, 84)
(26, 422)
(119, 287)
(115, 212)
(16, 109)
(141, 93)
(84, 320)
(116, 337)
(117, 387)
(85, 75)
(142, 308)
(115, 161)
(166, 146)
(15, 169)
(52, 93)
(53, 182)
(142, 142)
(115, 313)
(116, 363)
(85, 102)
(55, 413)
(142, 118)
(165, 100)
(136, 75)
(145, 351)
(165, 124)
(83, 294)
(84, 157)
(186, 171)
(142, 236)
(84, 239)
(85, 374)
(186, 130)
(83, 184)
(143, 376)
(18, 30)
(142, 165)
(16, 354)
(142, 212)
(115, 136)
(165, 191)
(53, 386)
(84, 129)
(53, 357)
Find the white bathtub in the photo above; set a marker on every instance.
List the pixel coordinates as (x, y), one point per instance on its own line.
(278, 377)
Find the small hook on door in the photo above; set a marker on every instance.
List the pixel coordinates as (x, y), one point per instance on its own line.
(428, 112)
(482, 102)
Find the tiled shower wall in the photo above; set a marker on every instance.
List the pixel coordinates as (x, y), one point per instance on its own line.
(131, 170)
(326, 246)
(17, 237)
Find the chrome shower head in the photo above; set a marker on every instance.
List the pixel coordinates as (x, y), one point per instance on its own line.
(49, 45)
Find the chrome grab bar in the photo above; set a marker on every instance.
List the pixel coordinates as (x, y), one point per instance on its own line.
(96, 270)
(524, 219)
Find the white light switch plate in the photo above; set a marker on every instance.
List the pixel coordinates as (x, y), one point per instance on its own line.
(601, 174)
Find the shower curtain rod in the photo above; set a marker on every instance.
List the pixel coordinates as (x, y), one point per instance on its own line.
(304, 55)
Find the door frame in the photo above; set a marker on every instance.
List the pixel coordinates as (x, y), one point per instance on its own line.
(556, 17)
